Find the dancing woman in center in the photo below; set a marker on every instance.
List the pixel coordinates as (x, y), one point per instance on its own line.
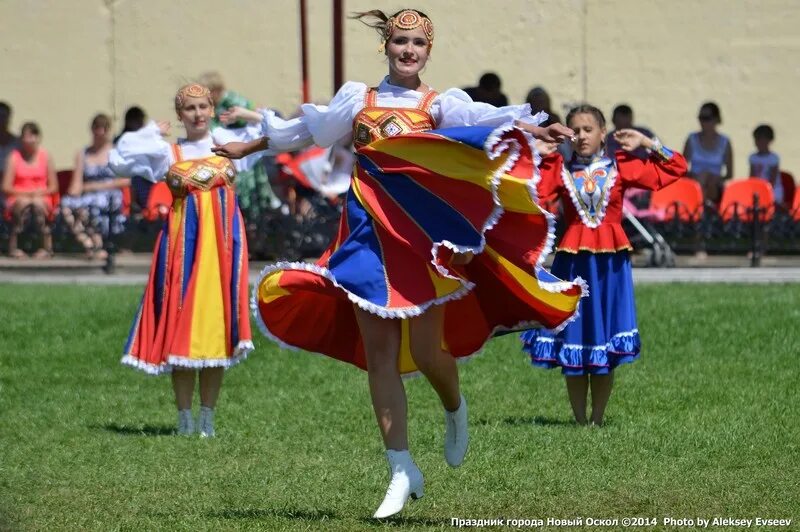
(428, 262)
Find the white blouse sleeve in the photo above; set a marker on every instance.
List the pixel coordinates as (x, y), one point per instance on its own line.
(454, 108)
(142, 153)
(323, 125)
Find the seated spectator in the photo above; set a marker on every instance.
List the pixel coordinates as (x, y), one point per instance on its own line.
(135, 119)
(539, 100)
(623, 119)
(764, 163)
(8, 141)
(708, 152)
(488, 90)
(252, 186)
(93, 207)
(29, 182)
(224, 99)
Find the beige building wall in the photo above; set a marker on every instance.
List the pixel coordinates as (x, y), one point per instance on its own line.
(64, 60)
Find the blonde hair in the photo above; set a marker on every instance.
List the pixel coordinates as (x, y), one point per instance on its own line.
(212, 79)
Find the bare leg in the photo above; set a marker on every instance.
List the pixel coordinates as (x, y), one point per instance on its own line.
(183, 385)
(381, 339)
(601, 391)
(75, 221)
(437, 366)
(577, 389)
(40, 219)
(210, 384)
(13, 250)
(21, 208)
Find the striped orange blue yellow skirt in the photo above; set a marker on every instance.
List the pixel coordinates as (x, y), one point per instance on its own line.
(414, 201)
(194, 310)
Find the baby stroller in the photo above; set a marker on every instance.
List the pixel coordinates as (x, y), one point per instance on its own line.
(642, 234)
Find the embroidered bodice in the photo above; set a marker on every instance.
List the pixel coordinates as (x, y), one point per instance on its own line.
(589, 186)
(186, 176)
(374, 122)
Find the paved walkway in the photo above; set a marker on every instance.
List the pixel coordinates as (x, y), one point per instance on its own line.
(132, 270)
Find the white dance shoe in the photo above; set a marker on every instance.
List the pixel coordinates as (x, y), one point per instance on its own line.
(185, 422)
(406, 482)
(206, 422)
(456, 438)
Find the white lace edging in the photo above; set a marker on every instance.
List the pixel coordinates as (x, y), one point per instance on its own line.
(606, 346)
(240, 353)
(372, 308)
(602, 347)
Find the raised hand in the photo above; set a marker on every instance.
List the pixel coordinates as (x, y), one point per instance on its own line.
(237, 113)
(545, 148)
(552, 133)
(630, 139)
(163, 127)
(231, 115)
(557, 133)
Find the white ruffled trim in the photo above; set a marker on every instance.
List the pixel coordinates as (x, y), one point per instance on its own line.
(151, 369)
(606, 346)
(601, 214)
(320, 271)
(242, 350)
(372, 308)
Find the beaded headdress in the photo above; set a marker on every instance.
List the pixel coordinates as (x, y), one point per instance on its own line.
(408, 19)
(193, 90)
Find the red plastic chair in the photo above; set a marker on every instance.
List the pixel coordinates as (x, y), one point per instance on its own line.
(64, 178)
(789, 188)
(158, 202)
(682, 199)
(737, 199)
(795, 208)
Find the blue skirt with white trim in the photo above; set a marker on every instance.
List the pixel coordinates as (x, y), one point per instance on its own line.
(604, 335)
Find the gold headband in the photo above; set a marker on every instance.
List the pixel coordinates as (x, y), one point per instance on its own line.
(408, 20)
(193, 90)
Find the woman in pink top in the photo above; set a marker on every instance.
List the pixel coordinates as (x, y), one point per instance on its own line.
(29, 182)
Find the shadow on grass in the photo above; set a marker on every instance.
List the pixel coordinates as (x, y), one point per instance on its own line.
(526, 421)
(143, 430)
(400, 521)
(318, 515)
(285, 513)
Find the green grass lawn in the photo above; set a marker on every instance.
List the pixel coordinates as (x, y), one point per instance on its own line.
(706, 424)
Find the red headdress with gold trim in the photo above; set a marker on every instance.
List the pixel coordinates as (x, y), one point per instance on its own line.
(408, 19)
(192, 90)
